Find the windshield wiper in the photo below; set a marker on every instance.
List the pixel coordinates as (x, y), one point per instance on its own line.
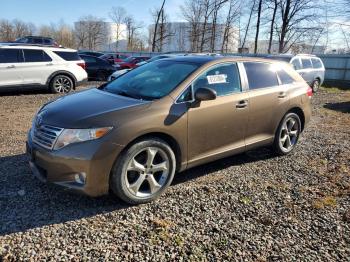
(123, 93)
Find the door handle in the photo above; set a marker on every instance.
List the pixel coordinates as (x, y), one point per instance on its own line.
(49, 64)
(11, 66)
(242, 104)
(282, 95)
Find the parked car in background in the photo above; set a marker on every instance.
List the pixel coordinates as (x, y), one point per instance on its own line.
(131, 62)
(59, 69)
(114, 58)
(37, 40)
(92, 53)
(130, 136)
(310, 67)
(97, 68)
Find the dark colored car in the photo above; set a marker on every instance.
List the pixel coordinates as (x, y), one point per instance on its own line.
(133, 134)
(97, 68)
(131, 62)
(37, 40)
(91, 53)
(114, 58)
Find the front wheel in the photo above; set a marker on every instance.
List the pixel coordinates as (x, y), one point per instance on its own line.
(287, 134)
(144, 171)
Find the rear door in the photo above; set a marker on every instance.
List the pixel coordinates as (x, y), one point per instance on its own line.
(37, 66)
(10, 72)
(268, 101)
(217, 128)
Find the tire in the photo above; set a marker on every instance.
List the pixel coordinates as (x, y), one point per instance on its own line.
(315, 85)
(143, 172)
(61, 84)
(287, 134)
(100, 76)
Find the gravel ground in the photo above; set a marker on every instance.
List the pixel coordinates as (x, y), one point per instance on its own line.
(251, 207)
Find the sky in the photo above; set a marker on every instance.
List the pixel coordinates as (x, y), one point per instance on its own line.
(43, 12)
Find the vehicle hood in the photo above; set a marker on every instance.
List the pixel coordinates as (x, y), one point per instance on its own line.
(91, 108)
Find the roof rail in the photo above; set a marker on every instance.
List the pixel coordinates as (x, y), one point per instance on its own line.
(306, 54)
(24, 44)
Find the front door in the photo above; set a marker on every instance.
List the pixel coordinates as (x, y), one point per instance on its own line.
(217, 128)
(10, 59)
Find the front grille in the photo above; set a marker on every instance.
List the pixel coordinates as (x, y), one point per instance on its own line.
(45, 135)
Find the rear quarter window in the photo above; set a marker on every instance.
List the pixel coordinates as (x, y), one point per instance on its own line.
(68, 56)
(306, 62)
(316, 63)
(285, 77)
(260, 75)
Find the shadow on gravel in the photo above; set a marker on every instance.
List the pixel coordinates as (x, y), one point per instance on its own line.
(343, 107)
(16, 91)
(26, 203)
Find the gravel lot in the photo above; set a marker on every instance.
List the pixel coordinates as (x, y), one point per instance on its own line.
(253, 206)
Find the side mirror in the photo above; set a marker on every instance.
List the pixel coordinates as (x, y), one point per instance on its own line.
(204, 94)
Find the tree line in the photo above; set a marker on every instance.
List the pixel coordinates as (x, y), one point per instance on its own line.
(282, 25)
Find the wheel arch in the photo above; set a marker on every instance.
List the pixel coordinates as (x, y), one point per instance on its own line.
(300, 113)
(170, 140)
(62, 72)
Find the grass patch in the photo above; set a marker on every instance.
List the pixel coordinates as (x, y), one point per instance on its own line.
(328, 201)
(333, 89)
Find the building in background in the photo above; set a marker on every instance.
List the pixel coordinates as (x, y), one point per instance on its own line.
(99, 35)
(178, 38)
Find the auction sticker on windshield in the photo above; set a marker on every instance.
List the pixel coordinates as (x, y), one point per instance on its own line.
(217, 79)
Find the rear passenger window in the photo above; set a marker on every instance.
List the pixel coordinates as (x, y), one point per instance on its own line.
(68, 56)
(316, 63)
(31, 55)
(285, 77)
(306, 63)
(260, 75)
(10, 56)
(224, 79)
(296, 64)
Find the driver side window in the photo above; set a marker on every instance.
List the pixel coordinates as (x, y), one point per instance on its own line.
(223, 78)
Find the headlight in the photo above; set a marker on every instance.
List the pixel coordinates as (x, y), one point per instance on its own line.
(70, 136)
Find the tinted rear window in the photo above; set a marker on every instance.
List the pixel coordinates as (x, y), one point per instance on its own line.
(31, 55)
(306, 62)
(10, 56)
(68, 56)
(260, 75)
(316, 63)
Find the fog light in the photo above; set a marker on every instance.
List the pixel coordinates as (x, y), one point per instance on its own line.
(80, 178)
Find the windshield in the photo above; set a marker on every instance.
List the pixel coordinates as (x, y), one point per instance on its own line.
(151, 81)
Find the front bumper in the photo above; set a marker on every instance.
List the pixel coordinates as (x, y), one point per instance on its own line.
(82, 167)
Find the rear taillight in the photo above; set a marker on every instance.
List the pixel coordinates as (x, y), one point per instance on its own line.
(82, 65)
(309, 92)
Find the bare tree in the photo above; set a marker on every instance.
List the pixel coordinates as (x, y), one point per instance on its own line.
(257, 27)
(132, 32)
(158, 14)
(118, 15)
(217, 5)
(293, 14)
(10, 30)
(232, 15)
(248, 24)
(90, 32)
(274, 7)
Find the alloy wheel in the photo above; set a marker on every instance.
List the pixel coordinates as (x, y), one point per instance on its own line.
(62, 84)
(315, 86)
(289, 134)
(147, 172)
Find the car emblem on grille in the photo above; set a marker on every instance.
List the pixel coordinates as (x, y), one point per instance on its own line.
(39, 120)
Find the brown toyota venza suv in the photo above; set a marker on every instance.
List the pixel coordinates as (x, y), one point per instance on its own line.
(131, 136)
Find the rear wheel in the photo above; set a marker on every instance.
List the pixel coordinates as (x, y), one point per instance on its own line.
(144, 171)
(287, 134)
(315, 85)
(61, 84)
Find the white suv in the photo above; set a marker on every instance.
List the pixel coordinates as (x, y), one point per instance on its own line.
(59, 69)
